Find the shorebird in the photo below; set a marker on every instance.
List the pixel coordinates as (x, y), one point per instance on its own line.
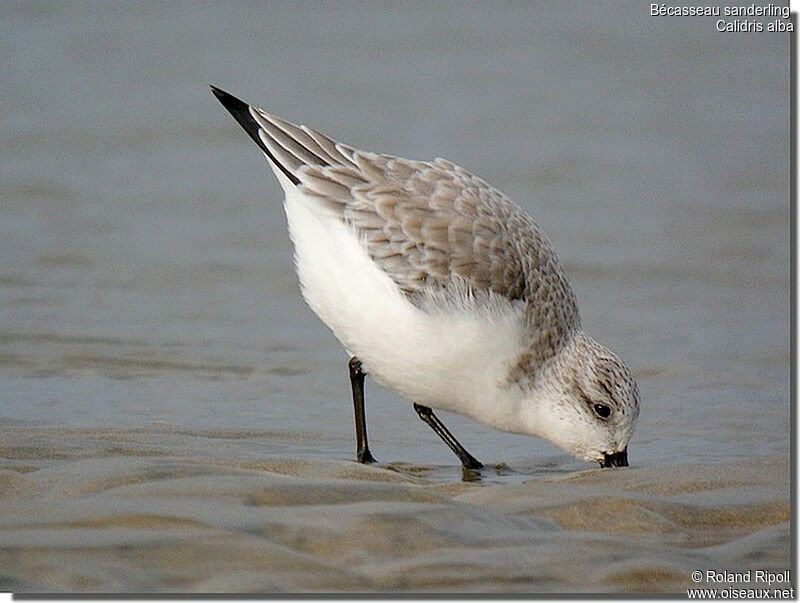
(444, 290)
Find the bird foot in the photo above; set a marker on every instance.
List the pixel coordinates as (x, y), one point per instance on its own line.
(365, 457)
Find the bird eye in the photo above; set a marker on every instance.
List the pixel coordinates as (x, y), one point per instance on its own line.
(602, 411)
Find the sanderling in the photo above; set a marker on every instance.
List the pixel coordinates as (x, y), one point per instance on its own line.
(444, 290)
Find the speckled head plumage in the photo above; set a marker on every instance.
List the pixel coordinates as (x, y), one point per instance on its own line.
(585, 400)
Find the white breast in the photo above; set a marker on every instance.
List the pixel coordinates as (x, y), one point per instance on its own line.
(450, 356)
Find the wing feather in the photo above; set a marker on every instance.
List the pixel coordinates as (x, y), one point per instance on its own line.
(429, 225)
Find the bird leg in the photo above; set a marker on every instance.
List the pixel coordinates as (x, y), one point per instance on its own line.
(467, 460)
(357, 382)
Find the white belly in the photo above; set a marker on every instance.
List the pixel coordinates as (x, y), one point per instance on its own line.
(442, 357)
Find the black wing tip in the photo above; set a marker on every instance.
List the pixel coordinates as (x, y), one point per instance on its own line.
(241, 113)
(237, 107)
(228, 100)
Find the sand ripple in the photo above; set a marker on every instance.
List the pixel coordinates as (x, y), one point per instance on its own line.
(139, 510)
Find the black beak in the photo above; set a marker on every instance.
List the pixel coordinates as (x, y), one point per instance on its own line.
(617, 459)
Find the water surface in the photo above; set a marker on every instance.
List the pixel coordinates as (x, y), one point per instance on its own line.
(146, 277)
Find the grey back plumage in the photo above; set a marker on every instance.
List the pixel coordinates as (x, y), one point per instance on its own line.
(427, 224)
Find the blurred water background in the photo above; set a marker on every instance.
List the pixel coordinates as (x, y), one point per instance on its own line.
(160, 375)
(146, 274)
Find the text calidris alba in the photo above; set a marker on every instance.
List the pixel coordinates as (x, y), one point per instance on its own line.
(445, 291)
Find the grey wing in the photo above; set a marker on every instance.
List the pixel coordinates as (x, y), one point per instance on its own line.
(429, 224)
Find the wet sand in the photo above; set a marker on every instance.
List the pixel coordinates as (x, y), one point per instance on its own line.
(174, 418)
(166, 510)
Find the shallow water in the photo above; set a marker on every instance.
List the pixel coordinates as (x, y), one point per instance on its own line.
(146, 278)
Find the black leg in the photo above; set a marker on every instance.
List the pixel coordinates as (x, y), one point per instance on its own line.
(467, 460)
(357, 382)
